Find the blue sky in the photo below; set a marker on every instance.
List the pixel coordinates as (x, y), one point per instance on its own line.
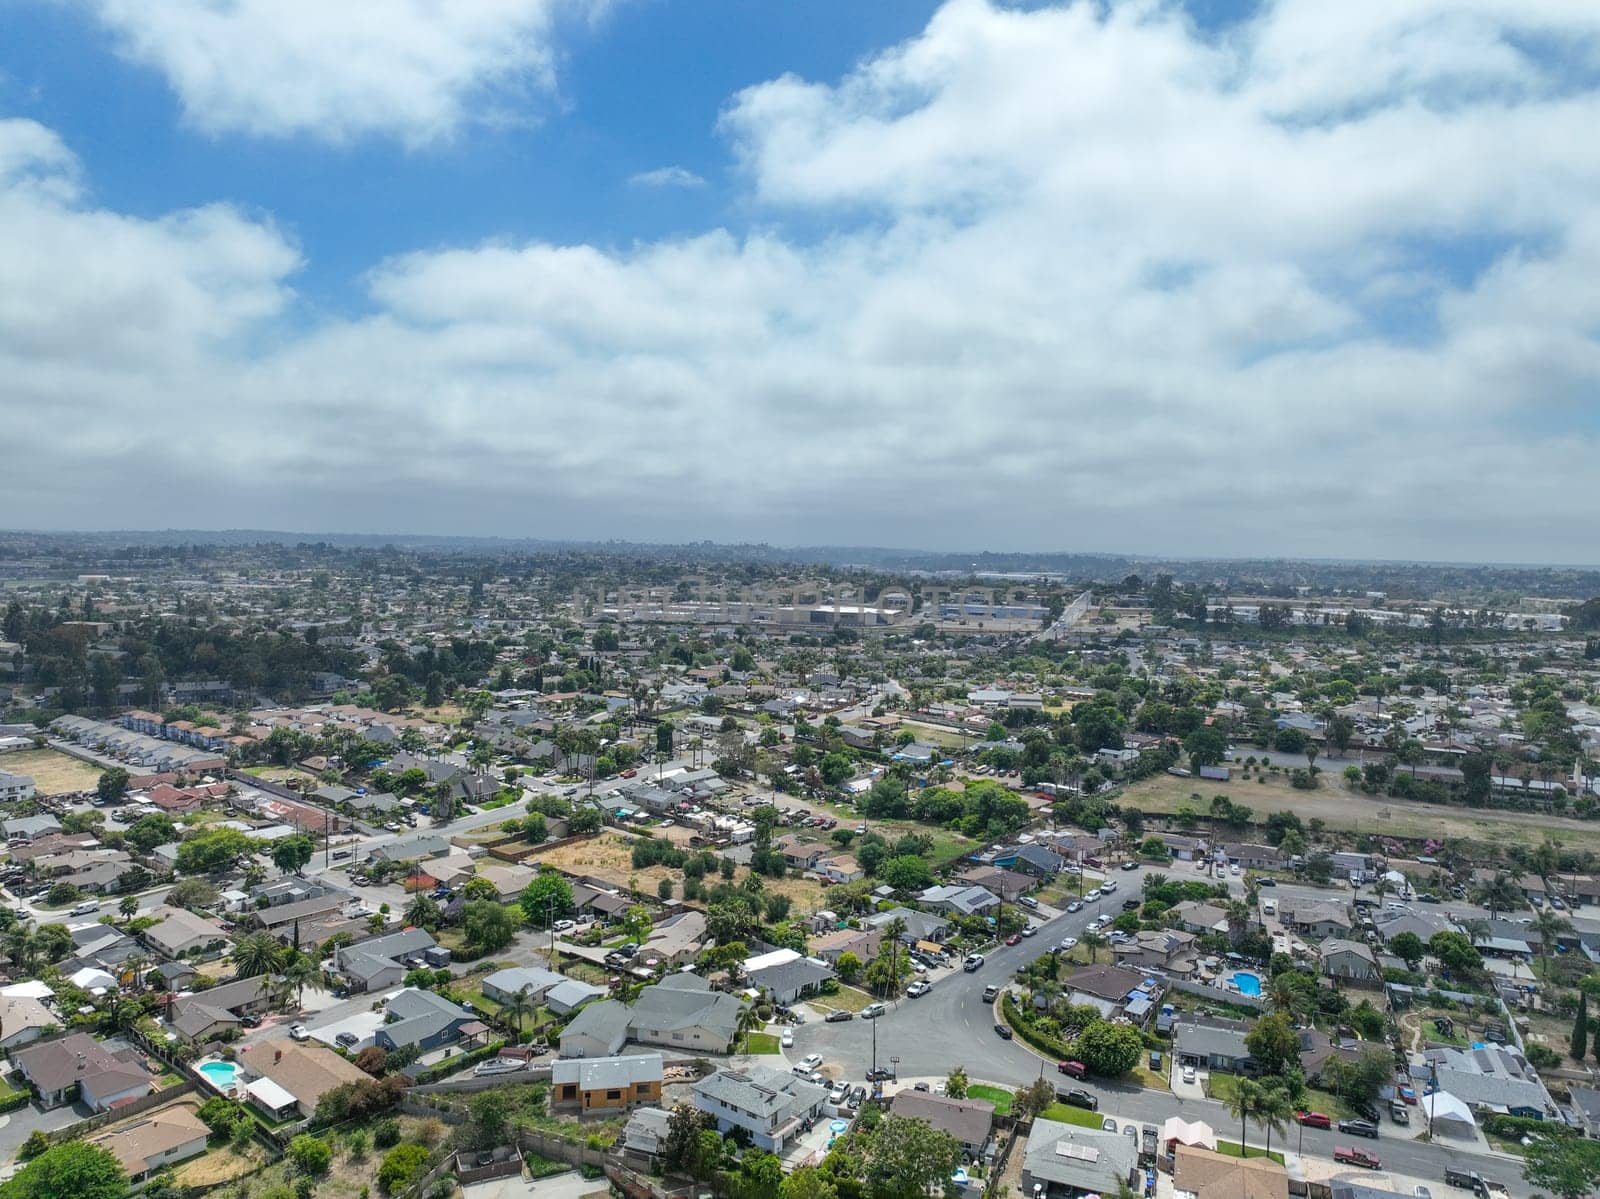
(1215, 277)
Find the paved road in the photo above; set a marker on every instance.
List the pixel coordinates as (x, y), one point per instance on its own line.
(952, 1025)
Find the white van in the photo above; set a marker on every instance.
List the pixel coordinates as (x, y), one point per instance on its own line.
(1269, 906)
(87, 908)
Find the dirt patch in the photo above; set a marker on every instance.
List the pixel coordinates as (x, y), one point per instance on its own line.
(217, 1166)
(1354, 811)
(53, 773)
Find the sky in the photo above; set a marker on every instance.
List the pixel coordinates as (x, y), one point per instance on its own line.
(1221, 277)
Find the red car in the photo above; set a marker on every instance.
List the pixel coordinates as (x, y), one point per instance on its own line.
(1314, 1119)
(1357, 1157)
(1014, 939)
(1073, 1069)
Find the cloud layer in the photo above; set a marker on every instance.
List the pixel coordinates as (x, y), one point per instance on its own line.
(415, 70)
(1321, 286)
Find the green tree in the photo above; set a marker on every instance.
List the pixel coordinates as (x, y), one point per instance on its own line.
(1242, 1105)
(1206, 746)
(128, 905)
(300, 972)
(1579, 1043)
(401, 1165)
(1567, 1167)
(310, 1155)
(290, 854)
(956, 1084)
(807, 1182)
(906, 1159)
(1109, 1049)
(546, 899)
(70, 1170)
(112, 784)
(906, 873)
(147, 832)
(1273, 1042)
(636, 923)
(491, 1119)
(423, 910)
(212, 849)
(1408, 947)
(848, 967)
(488, 925)
(1455, 952)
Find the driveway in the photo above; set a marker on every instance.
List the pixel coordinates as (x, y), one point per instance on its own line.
(571, 1185)
(16, 1127)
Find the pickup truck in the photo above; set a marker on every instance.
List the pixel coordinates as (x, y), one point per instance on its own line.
(1471, 1180)
(1349, 1156)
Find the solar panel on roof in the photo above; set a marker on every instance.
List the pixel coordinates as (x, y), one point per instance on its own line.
(1082, 1153)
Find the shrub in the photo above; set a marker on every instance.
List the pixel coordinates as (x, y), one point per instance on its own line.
(310, 1155)
(386, 1133)
(401, 1166)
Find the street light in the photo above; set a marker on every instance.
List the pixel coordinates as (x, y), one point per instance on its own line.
(894, 1066)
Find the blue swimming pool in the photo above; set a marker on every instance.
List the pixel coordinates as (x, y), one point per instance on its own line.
(222, 1075)
(1246, 983)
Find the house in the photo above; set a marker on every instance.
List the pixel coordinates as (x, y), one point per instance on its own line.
(677, 939)
(158, 1139)
(840, 868)
(421, 1018)
(1316, 917)
(1165, 949)
(412, 849)
(503, 984)
(1032, 859)
(1008, 884)
(305, 1072)
(789, 980)
(28, 827)
(798, 854)
(1348, 959)
(607, 1084)
(1198, 916)
(509, 881)
(772, 1106)
(384, 961)
(680, 1012)
(864, 943)
(1062, 1161)
(920, 926)
(15, 787)
(1212, 1043)
(204, 1014)
(1496, 1079)
(1256, 857)
(959, 901)
(1204, 1174)
(968, 1120)
(78, 1066)
(180, 933)
(1185, 849)
(24, 1020)
(1586, 1110)
(571, 994)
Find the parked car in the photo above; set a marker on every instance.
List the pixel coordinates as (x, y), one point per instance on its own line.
(1072, 1069)
(1130, 865)
(1188, 1074)
(1091, 896)
(810, 1062)
(1030, 930)
(1398, 1112)
(1014, 939)
(1003, 1031)
(1155, 1059)
(786, 1038)
(919, 988)
(1348, 1156)
(1029, 902)
(1108, 1124)
(880, 1074)
(1313, 1119)
(1359, 1128)
(1075, 906)
(300, 1032)
(347, 1039)
(973, 963)
(872, 1011)
(838, 1014)
(1078, 1097)
(991, 993)
(858, 1096)
(1067, 943)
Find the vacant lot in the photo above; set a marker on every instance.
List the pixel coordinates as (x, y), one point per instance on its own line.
(610, 857)
(1350, 810)
(53, 773)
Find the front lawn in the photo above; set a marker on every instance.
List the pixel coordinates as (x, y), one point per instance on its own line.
(1234, 1149)
(851, 999)
(1222, 1087)
(762, 1042)
(1001, 1099)
(1151, 1080)
(1064, 1114)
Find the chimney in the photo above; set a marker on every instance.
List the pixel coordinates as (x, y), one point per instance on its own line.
(83, 1062)
(277, 1055)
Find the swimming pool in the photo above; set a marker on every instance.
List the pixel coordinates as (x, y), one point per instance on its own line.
(220, 1074)
(1246, 983)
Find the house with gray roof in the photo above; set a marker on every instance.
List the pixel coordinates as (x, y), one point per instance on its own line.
(787, 982)
(421, 1018)
(503, 984)
(1213, 1043)
(772, 1106)
(679, 1012)
(920, 926)
(412, 849)
(384, 961)
(1063, 1161)
(968, 1120)
(570, 994)
(599, 1030)
(1495, 1079)
(607, 1084)
(1348, 959)
(960, 901)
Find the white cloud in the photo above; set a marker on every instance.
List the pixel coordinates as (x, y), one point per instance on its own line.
(1084, 281)
(334, 70)
(673, 176)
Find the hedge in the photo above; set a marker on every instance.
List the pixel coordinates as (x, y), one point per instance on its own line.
(13, 1101)
(1514, 1128)
(1044, 1043)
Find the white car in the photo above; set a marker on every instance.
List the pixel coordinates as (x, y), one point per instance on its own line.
(872, 1011)
(1092, 896)
(786, 1039)
(921, 987)
(809, 1063)
(1107, 887)
(1030, 930)
(562, 926)
(300, 1032)
(1188, 1074)
(1068, 943)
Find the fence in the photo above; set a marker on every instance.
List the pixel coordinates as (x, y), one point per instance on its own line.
(506, 854)
(483, 1082)
(132, 1108)
(1215, 995)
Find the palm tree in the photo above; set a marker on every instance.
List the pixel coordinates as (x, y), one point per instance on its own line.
(519, 1005)
(259, 953)
(1093, 941)
(423, 911)
(1549, 926)
(137, 965)
(1273, 1110)
(1244, 1103)
(1240, 917)
(128, 905)
(22, 947)
(298, 972)
(1499, 894)
(1284, 996)
(748, 1022)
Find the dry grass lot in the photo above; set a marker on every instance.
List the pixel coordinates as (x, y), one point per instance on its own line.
(53, 773)
(610, 856)
(1342, 808)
